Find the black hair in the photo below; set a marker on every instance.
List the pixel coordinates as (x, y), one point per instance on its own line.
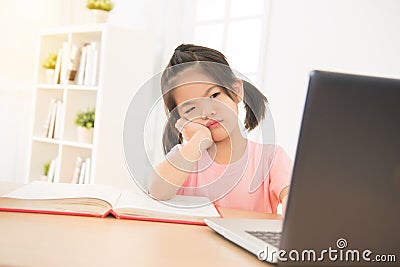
(187, 55)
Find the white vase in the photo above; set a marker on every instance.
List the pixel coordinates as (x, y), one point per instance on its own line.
(85, 135)
(50, 76)
(98, 16)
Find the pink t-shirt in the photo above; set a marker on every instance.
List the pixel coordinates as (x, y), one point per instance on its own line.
(233, 186)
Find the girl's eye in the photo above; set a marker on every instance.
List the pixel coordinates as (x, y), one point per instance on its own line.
(215, 95)
(189, 110)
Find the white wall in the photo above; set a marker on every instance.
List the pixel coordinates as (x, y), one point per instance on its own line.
(158, 18)
(19, 22)
(361, 37)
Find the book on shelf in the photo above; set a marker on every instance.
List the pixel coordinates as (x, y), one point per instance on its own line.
(77, 170)
(49, 118)
(86, 179)
(65, 60)
(102, 200)
(58, 119)
(52, 174)
(73, 64)
(82, 171)
(90, 76)
(58, 67)
(82, 65)
(77, 65)
(53, 124)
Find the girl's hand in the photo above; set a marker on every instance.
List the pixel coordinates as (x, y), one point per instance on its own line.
(196, 132)
(189, 128)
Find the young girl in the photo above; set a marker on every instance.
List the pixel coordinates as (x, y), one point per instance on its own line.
(206, 152)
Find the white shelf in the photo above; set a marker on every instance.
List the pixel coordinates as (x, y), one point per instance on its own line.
(46, 140)
(100, 27)
(82, 87)
(67, 86)
(50, 86)
(61, 142)
(119, 76)
(77, 145)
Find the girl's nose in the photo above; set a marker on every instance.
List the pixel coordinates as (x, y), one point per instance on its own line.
(208, 112)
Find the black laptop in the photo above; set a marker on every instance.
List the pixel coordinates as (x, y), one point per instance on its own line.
(344, 202)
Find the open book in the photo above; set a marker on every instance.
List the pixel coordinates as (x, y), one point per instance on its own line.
(102, 200)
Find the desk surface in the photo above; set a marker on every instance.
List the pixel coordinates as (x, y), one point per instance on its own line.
(28, 239)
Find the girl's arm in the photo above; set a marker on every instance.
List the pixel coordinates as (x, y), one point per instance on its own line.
(171, 173)
(283, 197)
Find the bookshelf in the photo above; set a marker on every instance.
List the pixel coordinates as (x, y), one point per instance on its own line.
(113, 82)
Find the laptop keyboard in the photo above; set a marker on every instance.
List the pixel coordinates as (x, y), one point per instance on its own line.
(272, 238)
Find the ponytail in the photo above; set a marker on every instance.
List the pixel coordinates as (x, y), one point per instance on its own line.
(255, 105)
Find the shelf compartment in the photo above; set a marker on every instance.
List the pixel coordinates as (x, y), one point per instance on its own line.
(43, 153)
(69, 155)
(93, 41)
(43, 108)
(77, 101)
(49, 44)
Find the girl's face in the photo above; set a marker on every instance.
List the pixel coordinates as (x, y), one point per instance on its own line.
(206, 103)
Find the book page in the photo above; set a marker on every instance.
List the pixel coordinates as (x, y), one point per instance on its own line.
(188, 206)
(42, 190)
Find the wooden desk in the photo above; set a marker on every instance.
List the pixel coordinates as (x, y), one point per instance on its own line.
(28, 239)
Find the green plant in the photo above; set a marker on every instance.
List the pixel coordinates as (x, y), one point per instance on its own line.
(50, 62)
(105, 5)
(86, 118)
(46, 168)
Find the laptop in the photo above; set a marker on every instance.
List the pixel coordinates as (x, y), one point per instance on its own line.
(344, 201)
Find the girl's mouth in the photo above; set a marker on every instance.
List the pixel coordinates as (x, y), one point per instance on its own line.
(213, 124)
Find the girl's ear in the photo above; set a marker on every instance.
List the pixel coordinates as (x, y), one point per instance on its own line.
(239, 90)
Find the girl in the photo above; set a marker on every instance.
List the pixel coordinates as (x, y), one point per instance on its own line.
(206, 153)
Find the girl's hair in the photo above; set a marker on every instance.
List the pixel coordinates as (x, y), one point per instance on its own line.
(186, 56)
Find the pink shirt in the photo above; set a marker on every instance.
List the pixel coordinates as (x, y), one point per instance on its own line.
(233, 186)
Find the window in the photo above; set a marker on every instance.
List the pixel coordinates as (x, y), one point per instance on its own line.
(237, 28)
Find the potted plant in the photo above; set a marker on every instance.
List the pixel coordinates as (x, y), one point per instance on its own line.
(50, 64)
(99, 10)
(85, 122)
(46, 167)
